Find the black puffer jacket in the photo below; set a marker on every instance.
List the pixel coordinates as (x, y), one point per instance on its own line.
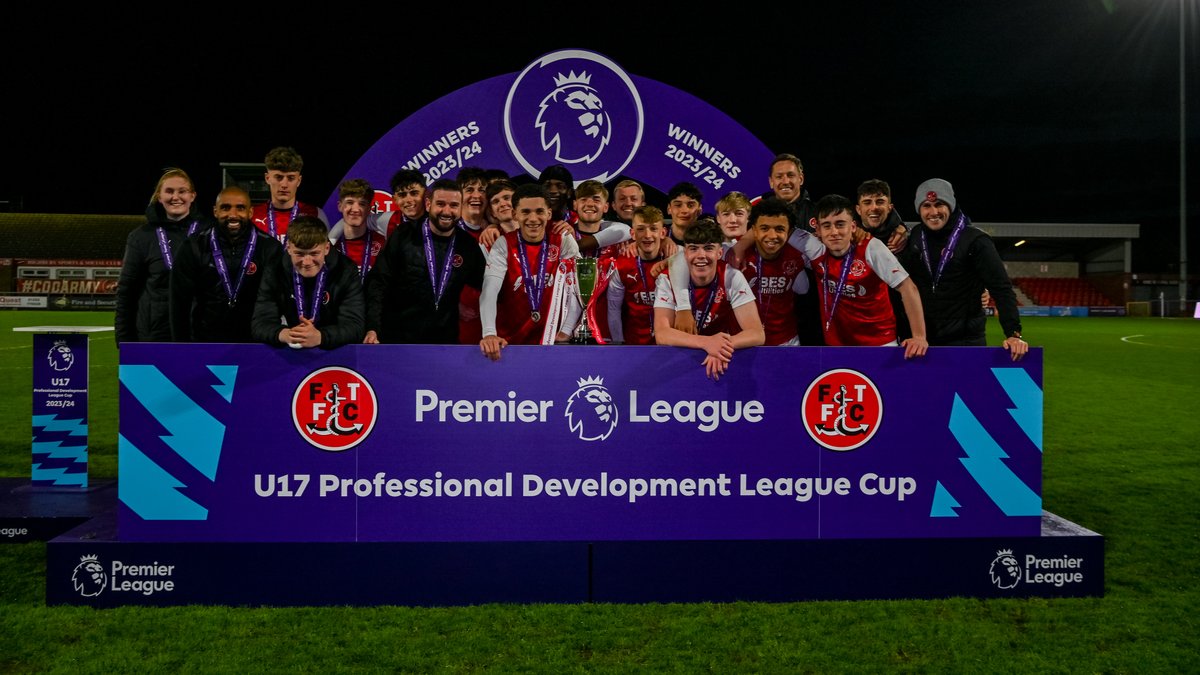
(143, 290)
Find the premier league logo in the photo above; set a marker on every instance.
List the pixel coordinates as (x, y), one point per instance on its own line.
(591, 411)
(334, 408)
(571, 120)
(1005, 570)
(842, 409)
(574, 107)
(60, 357)
(89, 577)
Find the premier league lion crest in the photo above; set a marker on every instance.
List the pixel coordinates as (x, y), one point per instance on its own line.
(572, 121)
(591, 411)
(89, 577)
(574, 107)
(1005, 570)
(61, 357)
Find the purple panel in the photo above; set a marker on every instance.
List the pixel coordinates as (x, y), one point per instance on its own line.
(599, 420)
(579, 109)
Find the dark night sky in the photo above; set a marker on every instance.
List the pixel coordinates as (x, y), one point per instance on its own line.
(1062, 111)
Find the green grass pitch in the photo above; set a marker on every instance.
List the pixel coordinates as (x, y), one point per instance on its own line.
(1122, 439)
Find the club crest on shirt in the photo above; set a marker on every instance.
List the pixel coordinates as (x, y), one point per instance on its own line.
(790, 267)
(251, 268)
(552, 253)
(456, 261)
(858, 268)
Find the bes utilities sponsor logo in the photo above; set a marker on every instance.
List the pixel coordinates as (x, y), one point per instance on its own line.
(842, 409)
(90, 577)
(334, 408)
(1008, 570)
(591, 412)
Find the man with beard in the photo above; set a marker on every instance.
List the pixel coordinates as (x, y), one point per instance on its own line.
(952, 263)
(312, 298)
(519, 302)
(412, 293)
(283, 178)
(217, 274)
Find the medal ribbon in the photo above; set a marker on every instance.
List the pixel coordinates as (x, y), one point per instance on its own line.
(231, 288)
(366, 258)
(947, 253)
(318, 291)
(847, 262)
(271, 217)
(533, 292)
(439, 282)
(164, 244)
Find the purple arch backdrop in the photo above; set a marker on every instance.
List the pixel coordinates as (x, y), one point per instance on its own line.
(580, 109)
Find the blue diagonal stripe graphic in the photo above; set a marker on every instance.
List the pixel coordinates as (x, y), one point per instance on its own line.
(984, 461)
(195, 435)
(1027, 397)
(150, 491)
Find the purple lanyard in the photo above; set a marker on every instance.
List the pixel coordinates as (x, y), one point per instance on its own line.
(847, 263)
(366, 259)
(947, 253)
(440, 282)
(702, 317)
(318, 291)
(164, 244)
(231, 288)
(533, 291)
(271, 218)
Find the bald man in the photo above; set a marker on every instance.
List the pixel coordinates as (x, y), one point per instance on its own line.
(217, 273)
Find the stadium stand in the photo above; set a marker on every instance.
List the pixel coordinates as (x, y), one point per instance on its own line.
(1057, 291)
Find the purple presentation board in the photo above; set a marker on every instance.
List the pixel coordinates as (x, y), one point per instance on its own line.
(248, 443)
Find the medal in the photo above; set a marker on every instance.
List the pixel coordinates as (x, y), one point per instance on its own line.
(533, 289)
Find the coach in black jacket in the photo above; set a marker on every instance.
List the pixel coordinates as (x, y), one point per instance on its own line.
(213, 300)
(313, 297)
(951, 263)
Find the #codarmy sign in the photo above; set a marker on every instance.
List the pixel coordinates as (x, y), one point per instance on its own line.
(427, 443)
(579, 109)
